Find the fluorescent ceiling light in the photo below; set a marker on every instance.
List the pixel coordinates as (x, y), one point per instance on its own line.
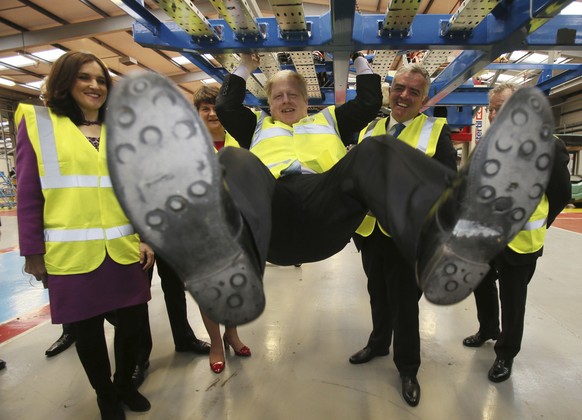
(18, 61)
(536, 58)
(49, 55)
(181, 60)
(575, 8)
(35, 85)
(504, 77)
(6, 82)
(208, 81)
(517, 55)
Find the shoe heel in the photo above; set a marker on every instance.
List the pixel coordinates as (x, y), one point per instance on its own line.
(449, 278)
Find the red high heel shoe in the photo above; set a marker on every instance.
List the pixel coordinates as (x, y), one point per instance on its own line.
(217, 367)
(244, 351)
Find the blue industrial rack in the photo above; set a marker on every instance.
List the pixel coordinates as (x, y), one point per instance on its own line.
(482, 29)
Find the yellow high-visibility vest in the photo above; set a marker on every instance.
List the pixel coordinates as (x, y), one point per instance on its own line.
(422, 133)
(531, 238)
(313, 142)
(82, 217)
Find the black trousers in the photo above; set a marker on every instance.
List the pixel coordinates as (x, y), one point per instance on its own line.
(309, 217)
(513, 282)
(175, 298)
(394, 297)
(92, 349)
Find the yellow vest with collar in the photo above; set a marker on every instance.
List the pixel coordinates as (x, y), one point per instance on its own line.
(314, 142)
(82, 217)
(422, 133)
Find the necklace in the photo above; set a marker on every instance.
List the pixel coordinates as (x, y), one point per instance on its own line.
(85, 122)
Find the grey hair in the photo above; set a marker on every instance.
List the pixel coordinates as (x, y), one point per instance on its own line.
(415, 68)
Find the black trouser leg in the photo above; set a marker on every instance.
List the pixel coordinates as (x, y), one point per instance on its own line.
(513, 282)
(251, 187)
(374, 262)
(130, 322)
(175, 298)
(92, 350)
(487, 302)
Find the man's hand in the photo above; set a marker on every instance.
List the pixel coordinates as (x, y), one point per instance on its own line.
(250, 61)
(34, 265)
(146, 256)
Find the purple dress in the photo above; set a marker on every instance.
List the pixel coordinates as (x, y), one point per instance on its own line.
(72, 297)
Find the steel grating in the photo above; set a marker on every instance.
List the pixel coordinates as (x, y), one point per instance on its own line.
(188, 17)
(382, 62)
(237, 14)
(400, 15)
(470, 14)
(433, 59)
(303, 62)
(290, 15)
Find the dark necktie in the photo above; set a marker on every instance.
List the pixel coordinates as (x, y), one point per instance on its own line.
(398, 129)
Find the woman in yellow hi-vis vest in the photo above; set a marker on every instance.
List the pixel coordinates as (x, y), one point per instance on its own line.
(73, 234)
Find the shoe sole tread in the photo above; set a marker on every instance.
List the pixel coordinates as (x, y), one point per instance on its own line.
(519, 142)
(165, 174)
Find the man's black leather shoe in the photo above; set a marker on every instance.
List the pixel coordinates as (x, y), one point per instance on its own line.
(139, 374)
(501, 370)
(181, 205)
(479, 339)
(65, 341)
(489, 201)
(365, 355)
(195, 346)
(110, 409)
(2, 364)
(410, 390)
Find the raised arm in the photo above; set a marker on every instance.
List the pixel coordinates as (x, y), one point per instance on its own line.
(360, 111)
(237, 119)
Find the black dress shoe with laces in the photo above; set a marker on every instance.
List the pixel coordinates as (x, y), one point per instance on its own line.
(489, 201)
(477, 340)
(65, 341)
(501, 370)
(410, 390)
(139, 374)
(365, 355)
(167, 178)
(194, 346)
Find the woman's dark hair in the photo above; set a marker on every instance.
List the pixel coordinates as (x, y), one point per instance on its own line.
(60, 81)
(205, 95)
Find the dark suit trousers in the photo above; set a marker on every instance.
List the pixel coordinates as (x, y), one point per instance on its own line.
(394, 299)
(513, 282)
(487, 302)
(309, 217)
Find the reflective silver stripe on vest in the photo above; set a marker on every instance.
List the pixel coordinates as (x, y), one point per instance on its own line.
(370, 129)
(48, 150)
(95, 234)
(330, 121)
(535, 224)
(75, 181)
(425, 133)
(48, 146)
(315, 129)
(269, 133)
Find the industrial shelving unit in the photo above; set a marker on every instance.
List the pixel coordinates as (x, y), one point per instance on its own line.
(476, 35)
